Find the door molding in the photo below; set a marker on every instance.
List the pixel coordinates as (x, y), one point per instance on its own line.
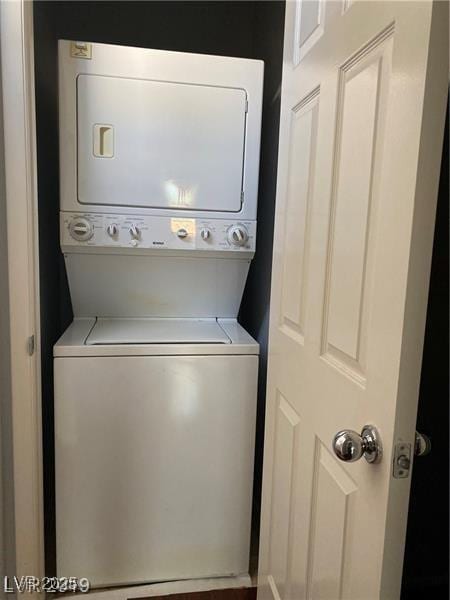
(18, 98)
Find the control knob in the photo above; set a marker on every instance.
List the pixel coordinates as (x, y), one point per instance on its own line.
(238, 235)
(112, 230)
(135, 232)
(81, 229)
(205, 234)
(182, 233)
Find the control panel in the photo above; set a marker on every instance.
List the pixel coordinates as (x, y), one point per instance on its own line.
(149, 232)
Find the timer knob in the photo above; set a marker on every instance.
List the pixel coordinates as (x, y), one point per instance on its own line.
(238, 235)
(205, 234)
(182, 233)
(112, 229)
(81, 229)
(135, 232)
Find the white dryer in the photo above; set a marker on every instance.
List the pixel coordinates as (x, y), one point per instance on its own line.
(155, 381)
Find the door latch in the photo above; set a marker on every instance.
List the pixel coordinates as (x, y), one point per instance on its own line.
(403, 454)
(402, 460)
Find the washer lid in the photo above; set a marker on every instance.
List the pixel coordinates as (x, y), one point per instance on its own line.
(156, 331)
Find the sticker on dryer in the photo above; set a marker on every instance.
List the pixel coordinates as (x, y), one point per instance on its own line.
(81, 50)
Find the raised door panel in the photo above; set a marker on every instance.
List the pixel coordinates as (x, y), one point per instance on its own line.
(362, 103)
(303, 130)
(309, 26)
(285, 465)
(333, 492)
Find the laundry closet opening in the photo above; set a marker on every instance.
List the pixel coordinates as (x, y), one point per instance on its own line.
(245, 30)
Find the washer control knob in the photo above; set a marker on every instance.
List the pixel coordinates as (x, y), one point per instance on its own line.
(81, 229)
(238, 235)
(205, 234)
(135, 232)
(182, 233)
(112, 230)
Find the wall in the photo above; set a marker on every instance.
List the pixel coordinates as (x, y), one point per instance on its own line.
(425, 573)
(243, 29)
(254, 313)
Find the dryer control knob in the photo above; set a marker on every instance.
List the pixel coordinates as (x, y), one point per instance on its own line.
(237, 235)
(205, 234)
(112, 230)
(81, 229)
(135, 232)
(182, 233)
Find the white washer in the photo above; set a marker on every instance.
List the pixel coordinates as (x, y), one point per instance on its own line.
(155, 381)
(154, 434)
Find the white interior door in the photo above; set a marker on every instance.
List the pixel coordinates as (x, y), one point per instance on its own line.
(362, 116)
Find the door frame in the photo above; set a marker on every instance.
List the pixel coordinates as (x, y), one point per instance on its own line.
(20, 166)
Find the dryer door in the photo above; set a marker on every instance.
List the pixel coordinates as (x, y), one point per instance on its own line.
(158, 144)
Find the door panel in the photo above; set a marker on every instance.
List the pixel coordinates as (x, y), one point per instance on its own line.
(331, 521)
(308, 26)
(301, 170)
(159, 144)
(363, 90)
(285, 466)
(362, 107)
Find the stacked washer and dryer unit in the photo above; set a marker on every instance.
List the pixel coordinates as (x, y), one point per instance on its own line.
(155, 380)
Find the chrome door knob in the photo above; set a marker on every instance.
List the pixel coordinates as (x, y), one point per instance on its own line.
(422, 444)
(350, 446)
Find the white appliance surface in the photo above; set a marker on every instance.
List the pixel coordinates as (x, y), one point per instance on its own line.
(154, 461)
(157, 331)
(122, 285)
(173, 145)
(156, 235)
(73, 342)
(155, 381)
(154, 132)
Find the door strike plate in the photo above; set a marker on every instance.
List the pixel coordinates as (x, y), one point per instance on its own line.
(402, 460)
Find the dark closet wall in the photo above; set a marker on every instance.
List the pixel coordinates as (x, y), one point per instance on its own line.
(425, 573)
(243, 29)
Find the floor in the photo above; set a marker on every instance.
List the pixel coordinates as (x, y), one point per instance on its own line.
(230, 594)
(193, 589)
